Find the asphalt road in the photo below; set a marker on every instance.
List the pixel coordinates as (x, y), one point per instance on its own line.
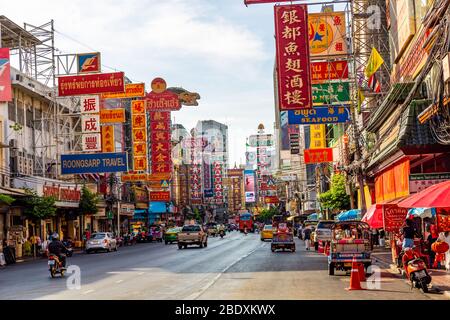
(235, 267)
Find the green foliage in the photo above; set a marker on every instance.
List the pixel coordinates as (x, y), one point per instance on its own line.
(39, 207)
(267, 214)
(336, 198)
(88, 201)
(4, 198)
(27, 248)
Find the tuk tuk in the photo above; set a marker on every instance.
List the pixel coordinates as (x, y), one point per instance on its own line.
(155, 234)
(283, 238)
(349, 240)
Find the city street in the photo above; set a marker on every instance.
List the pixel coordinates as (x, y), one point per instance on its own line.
(235, 267)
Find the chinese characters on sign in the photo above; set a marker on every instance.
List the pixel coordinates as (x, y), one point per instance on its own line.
(160, 147)
(108, 139)
(195, 173)
(330, 70)
(294, 71)
(90, 124)
(218, 183)
(139, 128)
(327, 34)
(318, 155)
(317, 136)
(331, 93)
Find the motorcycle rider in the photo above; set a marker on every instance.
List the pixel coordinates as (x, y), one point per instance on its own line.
(57, 248)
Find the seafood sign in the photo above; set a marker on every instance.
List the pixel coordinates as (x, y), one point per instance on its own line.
(91, 84)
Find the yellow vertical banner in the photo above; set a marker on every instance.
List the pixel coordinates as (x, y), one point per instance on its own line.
(139, 132)
(318, 140)
(108, 139)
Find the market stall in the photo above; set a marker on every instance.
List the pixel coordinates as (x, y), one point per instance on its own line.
(354, 214)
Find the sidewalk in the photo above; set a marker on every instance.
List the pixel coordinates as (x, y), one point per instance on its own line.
(37, 258)
(440, 278)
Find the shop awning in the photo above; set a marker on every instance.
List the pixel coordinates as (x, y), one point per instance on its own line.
(354, 214)
(436, 196)
(374, 216)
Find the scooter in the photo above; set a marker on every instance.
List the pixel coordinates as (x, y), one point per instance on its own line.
(69, 246)
(415, 270)
(55, 266)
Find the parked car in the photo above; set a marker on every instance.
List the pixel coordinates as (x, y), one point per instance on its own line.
(171, 235)
(323, 231)
(192, 234)
(267, 232)
(101, 241)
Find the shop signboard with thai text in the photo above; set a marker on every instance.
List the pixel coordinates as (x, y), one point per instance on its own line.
(318, 155)
(91, 84)
(62, 194)
(94, 163)
(160, 99)
(319, 115)
(329, 70)
(394, 217)
(160, 196)
(112, 115)
(331, 94)
(132, 90)
(419, 182)
(292, 50)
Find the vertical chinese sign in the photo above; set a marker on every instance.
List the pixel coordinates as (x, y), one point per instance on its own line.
(293, 66)
(139, 132)
(160, 143)
(318, 140)
(218, 182)
(90, 123)
(327, 34)
(5, 78)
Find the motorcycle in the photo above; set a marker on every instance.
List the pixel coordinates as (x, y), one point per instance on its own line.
(55, 266)
(69, 245)
(415, 270)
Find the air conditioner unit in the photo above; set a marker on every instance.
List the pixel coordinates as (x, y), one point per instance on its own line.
(19, 77)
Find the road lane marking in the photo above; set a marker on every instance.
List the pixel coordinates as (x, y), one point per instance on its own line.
(89, 291)
(141, 273)
(119, 281)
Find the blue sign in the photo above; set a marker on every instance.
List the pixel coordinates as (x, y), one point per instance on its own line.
(319, 115)
(93, 163)
(209, 193)
(157, 207)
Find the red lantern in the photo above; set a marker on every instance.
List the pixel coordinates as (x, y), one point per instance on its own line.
(440, 247)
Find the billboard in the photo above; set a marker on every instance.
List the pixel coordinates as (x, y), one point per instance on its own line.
(250, 186)
(132, 90)
(160, 99)
(93, 163)
(319, 115)
(5, 75)
(327, 34)
(88, 62)
(318, 155)
(293, 67)
(112, 115)
(160, 196)
(91, 84)
(161, 149)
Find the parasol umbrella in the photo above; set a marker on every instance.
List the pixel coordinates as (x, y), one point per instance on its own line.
(313, 216)
(354, 214)
(436, 196)
(374, 216)
(421, 212)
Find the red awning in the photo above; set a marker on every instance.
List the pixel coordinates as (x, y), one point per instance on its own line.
(436, 196)
(374, 216)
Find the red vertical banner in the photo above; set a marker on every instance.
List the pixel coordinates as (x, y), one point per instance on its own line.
(293, 66)
(218, 182)
(160, 142)
(5, 75)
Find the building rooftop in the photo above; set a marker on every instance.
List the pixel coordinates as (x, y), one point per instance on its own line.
(13, 36)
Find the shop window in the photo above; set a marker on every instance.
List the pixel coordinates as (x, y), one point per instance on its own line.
(16, 221)
(38, 122)
(20, 113)
(29, 119)
(12, 111)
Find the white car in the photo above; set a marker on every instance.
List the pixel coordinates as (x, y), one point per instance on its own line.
(323, 230)
(101, 241)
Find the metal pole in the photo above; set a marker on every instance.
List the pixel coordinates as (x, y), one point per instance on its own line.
(118, 218)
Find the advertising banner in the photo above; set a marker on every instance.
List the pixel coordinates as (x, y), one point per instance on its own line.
(294, 72)
(271, 199)
(329, 70)
(5, 75)
(108, 144)
(161, 149)
(93, 163)
(195, 174)
(394, 217)
(327, 34)
(91, 84)
(112, 115)
(250, 186)
(91, 142)
(139, 135)
(331, 93)
(132, 90)
(90, 104)
(320, 115)
(160, 196)
(160, 99)
(132, 177)
(88, 62)
(218, 181)
(318, 140)
(318, 155)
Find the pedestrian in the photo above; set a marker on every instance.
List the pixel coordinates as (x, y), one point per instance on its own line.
(375, 237)
(408, 231)
(382, 238)
(432, 237)
(307, 238)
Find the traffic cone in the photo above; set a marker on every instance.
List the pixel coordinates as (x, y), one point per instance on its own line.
(355, 283)
(362, 272)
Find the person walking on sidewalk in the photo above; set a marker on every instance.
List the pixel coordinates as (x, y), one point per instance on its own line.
(408, 231)
(307, 237)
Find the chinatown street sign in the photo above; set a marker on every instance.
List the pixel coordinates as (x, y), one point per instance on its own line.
(91, 84)
(319, 115)
(336, 93)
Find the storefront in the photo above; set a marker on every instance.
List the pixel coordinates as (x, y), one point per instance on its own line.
(126, 215)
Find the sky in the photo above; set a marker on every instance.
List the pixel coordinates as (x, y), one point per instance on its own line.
(221, 49)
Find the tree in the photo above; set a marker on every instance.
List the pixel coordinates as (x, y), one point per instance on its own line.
(4, 198)
(266, 215)
(336, 198)
(39, 207)
(88, 201)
